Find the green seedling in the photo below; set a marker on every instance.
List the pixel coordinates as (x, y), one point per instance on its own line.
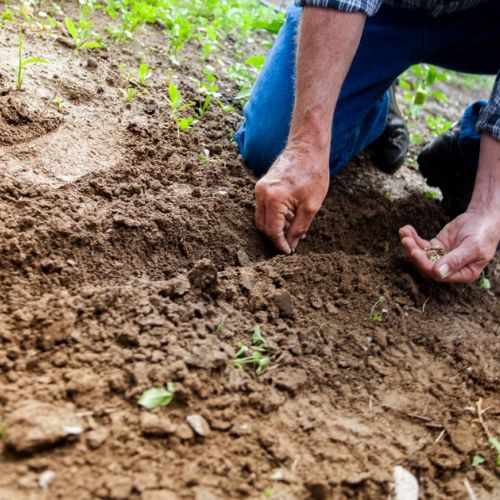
(375, 314)
(184, 124)
(256, 358)
(495, 444)
(174, 99)
(432, 195)
(143, 74)
(253, 355)
(7, 15)
(484, 282)
(81, 33)
(477, 460)
(157, 396)
(58, 102)
(220, 325)
(257, 338)
(22, 63)
(129, 94)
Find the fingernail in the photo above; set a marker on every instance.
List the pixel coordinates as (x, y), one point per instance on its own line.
(303, 237)
(444, 270)
(293, 246)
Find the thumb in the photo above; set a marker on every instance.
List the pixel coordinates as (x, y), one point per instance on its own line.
(455, 260)
(299, 226)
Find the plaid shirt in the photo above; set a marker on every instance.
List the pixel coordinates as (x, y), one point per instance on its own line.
(489, 120)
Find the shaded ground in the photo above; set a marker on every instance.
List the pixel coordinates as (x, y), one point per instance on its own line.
(106, 213)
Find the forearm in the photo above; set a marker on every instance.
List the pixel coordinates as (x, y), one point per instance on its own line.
(486, 194)
(327, 42)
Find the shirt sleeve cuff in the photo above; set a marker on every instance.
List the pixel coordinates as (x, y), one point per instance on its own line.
(489, 119)
(368, 7)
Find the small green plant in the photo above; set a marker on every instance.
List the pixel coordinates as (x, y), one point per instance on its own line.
(174, 99)
(220, 325)
(252, 355)
(377, 312)
(437, 124)
(129, 94)
(495, 444)
(432, 195)
(22, 63)
(477, 460)
(143, 74)
(157, 396)
(58, 102)
(175, 103)
(484, 282)
(184, 124)
(81, 33)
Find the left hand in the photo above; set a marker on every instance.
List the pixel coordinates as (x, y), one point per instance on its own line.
(470, 241)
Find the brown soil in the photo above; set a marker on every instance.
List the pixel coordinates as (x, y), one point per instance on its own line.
(123, 245)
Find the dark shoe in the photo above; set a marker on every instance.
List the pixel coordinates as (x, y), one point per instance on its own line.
(389, 151)
(441, 163)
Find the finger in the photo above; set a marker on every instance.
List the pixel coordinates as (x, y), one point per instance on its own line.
(419, 259)
(303, 218)
(275, 230)
(410, 232)
(260, 213)
(467, 274)
(457, 260)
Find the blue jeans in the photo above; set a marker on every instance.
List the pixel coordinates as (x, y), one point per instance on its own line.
(392, 41)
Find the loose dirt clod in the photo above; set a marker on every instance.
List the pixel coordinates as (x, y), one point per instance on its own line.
(35, 425)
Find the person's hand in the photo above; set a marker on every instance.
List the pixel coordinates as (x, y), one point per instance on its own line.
(470, 241)
(289, 196)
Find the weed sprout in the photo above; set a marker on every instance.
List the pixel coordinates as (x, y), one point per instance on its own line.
(22, 63)
(253, 355)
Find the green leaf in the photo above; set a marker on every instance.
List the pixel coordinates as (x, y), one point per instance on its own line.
(432, 195)
(90, 45)
(272, 26)
(257, 338)
(495, 443)
(157, 396)
(431, 75)
(32, 60)
(256, 61)
(243, 94)
(439, 95)
(484, 282)
(420, 97)
(174, 94)
(477, 460)
(70, 26)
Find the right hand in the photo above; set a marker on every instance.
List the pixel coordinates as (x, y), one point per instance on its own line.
(289, 196)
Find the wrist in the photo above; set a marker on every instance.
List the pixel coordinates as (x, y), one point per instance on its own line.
(311, 129)
(490, 216)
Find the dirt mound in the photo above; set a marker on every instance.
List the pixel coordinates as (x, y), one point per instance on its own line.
(143, 267)
(18, 124)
